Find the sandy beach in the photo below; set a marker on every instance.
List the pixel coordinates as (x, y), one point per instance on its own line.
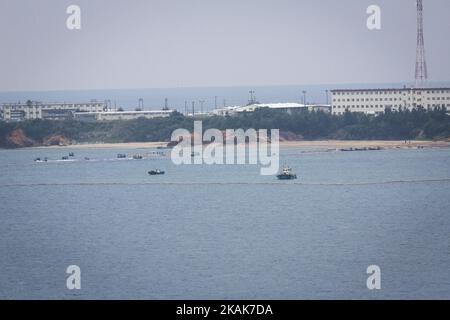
(385, 144)
(319, 144)
(127, 145)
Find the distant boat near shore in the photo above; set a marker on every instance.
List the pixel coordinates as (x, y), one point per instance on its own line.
(361, 149)
(156, 172)
(286, 174)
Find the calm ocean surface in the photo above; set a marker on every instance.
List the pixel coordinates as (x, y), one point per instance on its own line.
(202, 232)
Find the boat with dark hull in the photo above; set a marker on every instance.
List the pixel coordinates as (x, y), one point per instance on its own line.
(286, 174)
(155, 172)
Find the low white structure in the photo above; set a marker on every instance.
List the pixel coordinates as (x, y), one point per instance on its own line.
(50, 111)
(121, 115)
(288, 107)
(375, 101)
(224, 111)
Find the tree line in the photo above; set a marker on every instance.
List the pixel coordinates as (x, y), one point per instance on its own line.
(399, 125)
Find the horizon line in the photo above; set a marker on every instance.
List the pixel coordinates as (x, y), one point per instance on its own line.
(223, 86)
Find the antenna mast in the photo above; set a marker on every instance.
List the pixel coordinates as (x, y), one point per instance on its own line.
(421, 64)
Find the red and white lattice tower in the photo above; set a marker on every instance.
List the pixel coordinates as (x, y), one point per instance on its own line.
(421, 64)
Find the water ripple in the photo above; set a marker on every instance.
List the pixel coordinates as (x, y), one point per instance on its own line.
(180, 183)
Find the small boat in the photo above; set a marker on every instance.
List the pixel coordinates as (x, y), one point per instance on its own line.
(286, 174)
(138, 157)
(71, 154)
(121, 156)
(40, 160)
(65, 158)
(155, 172)
(156, 154)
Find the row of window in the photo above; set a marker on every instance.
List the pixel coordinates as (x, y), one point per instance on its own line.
(360, 106)
(390, 92)
(341, 113)
(384, 106)
(367, 99)
(56, 106)
(390, 99)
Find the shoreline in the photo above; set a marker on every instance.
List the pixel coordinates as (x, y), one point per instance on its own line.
(118, 145)
(384, 144)
(319, 144)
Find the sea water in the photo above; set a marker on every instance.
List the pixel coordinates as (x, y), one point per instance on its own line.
(225, 231)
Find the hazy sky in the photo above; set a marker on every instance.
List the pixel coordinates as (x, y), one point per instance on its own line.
(184, 43)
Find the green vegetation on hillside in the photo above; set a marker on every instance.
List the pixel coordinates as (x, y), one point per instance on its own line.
(416, 124)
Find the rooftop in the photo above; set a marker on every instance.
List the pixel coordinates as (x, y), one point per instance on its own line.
(128, 112)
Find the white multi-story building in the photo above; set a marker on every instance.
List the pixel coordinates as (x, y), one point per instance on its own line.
(375, 101)
(51, 111)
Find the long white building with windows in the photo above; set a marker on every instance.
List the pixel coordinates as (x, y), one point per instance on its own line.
(49, 111)
(121, 115)
(375, 101)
